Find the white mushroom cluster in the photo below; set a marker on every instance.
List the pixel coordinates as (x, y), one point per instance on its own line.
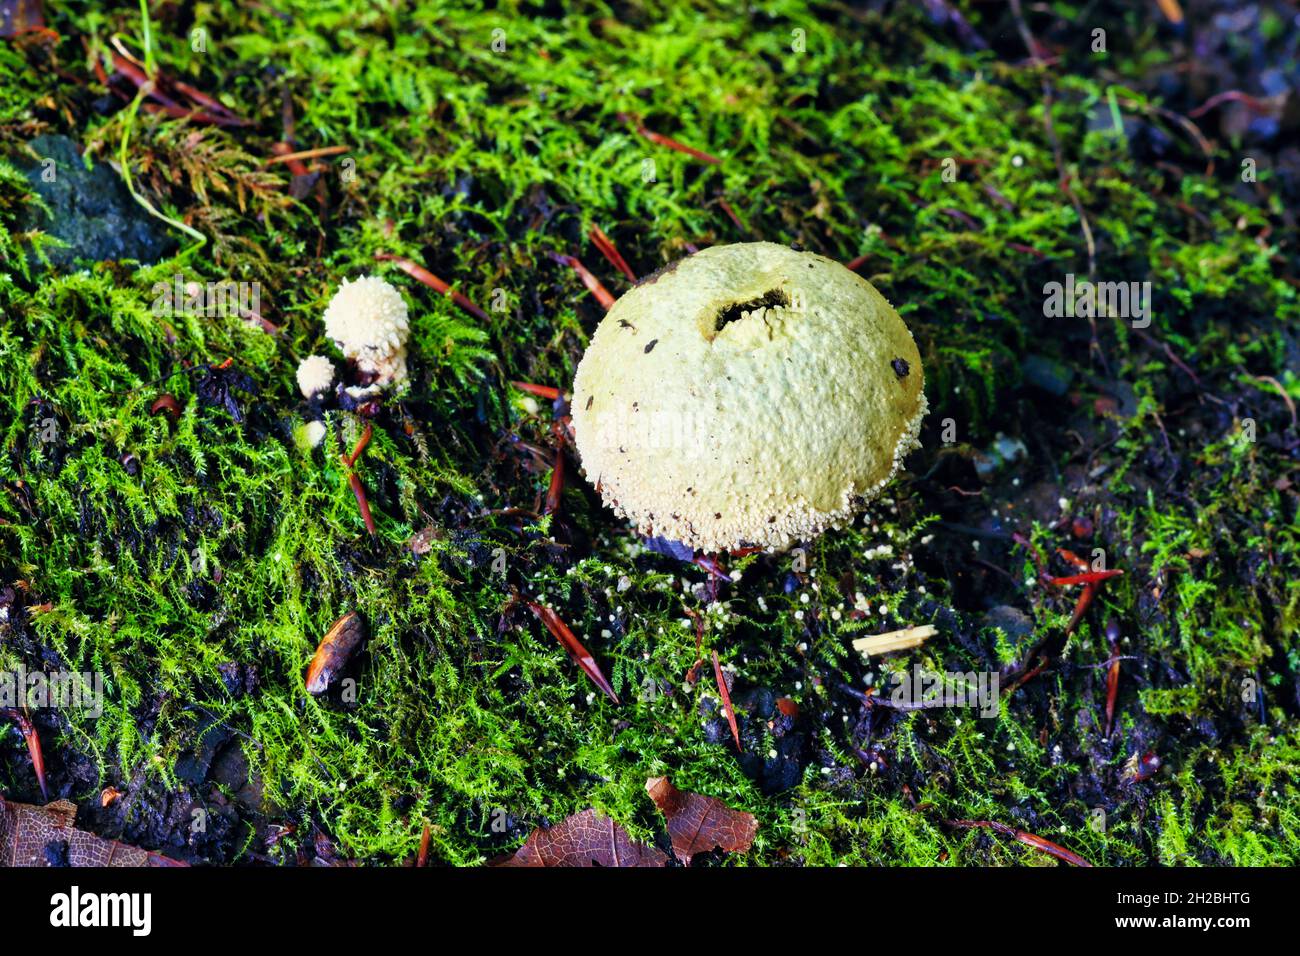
(748, 394)
(367, 320)
(315, 374)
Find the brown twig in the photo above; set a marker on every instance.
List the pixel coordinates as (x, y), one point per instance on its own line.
(726, 700)
(421, 274)
(1029, 839)
(610, 252)
(358, 489)
(307, 154)
(548, 392)
(560, 631)
(660, 140)
(423, 858)
(593, 284)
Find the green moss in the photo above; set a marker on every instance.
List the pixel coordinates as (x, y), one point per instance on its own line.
(478, 163)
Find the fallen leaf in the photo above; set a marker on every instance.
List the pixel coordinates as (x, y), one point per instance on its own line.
(697, 824)
(45, 836)
(335, 649)
(584, 839)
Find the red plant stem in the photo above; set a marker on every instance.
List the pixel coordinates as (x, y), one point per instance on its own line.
(1090, 577)
(360, 446)
(1073, 558)
(421, 274)
(1029, 839)
(731, 214)
(33, 739)
(854, 264)
(1112, 692)
(711, 564)
(423, 858)
(726, 700)
(548, 392)
(359, 490)
(610, 252)
(660, 140)
(560, 631)
(1252, 103)
(555, 492)
(593, 284)
(307, 154)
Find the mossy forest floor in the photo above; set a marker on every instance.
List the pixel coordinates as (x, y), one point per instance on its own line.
(196, 564)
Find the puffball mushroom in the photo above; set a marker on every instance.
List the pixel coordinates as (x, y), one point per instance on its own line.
(748, 394)
(367, 320)
(315, 374)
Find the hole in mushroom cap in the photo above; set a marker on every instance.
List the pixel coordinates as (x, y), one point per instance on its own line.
(901, 368)
(736, 311)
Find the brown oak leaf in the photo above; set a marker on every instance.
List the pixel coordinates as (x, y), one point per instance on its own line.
(45, 836)
(697, 823)
(584, 839)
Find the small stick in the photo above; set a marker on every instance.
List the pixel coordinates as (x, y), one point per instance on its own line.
(607, 248)
(726, 700)
(423, 858)
(360, 446)
(1112, 685)
(1090, 577)
(555, 491)
(560, 631)
(307, 154)
(1029, 839)
(593, 284)
(711, 564)
(731, 214)
(421, 274)
(548, 392)
(660, 140)
(358, 489)
(899, 640)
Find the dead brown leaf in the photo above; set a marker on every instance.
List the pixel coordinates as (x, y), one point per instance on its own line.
(698, 823)
(334, 651)
(36, 836)
(584, 839)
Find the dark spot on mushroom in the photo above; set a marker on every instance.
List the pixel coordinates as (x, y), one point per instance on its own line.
(590, 399)
(625, 324)
(900, 366)
(717, 516)
(733, 312)
(650, 347)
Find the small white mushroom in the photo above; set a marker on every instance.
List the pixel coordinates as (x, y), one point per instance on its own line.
(748, 394)
(367, 320)
(315, 374)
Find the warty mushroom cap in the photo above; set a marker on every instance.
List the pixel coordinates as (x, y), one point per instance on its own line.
(315, 374)
(748, 394)
(367, 320)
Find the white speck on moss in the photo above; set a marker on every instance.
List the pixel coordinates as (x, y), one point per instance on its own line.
(315, 432)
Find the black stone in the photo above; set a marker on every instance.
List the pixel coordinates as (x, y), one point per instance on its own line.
(91, 210)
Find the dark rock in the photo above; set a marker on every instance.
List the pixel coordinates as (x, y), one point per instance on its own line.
(1012, 621)
(91, 211)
